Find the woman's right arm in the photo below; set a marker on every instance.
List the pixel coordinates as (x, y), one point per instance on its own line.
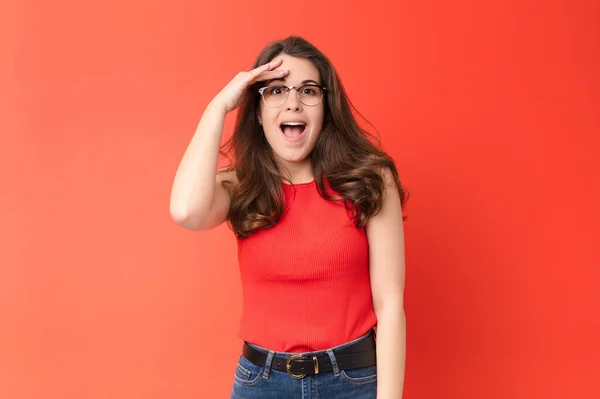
(198, 199)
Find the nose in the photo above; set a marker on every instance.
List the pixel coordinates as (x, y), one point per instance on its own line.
(293, 102)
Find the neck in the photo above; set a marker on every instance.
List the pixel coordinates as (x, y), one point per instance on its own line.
(296, 172)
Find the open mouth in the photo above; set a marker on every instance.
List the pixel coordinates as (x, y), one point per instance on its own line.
(293, 130)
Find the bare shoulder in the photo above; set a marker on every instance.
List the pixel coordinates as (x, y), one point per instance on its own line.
(389, 179)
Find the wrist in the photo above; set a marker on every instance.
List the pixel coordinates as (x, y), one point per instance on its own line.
(216, 106)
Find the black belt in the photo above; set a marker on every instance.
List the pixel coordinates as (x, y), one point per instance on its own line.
(360, 354)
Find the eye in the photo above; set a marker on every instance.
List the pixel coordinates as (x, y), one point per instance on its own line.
(275, 90)
(310, 90)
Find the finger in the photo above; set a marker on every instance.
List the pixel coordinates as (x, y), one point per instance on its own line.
(275, 63)
(266, 67)
(281, 73)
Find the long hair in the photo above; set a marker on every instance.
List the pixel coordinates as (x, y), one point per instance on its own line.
(343, 154)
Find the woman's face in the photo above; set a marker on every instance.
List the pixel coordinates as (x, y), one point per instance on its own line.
(292, 127)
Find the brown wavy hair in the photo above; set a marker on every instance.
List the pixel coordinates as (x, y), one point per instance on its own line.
(343, 153)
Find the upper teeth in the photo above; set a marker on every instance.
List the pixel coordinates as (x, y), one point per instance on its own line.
(293, 124)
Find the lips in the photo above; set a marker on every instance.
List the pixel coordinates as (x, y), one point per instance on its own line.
(293, 131)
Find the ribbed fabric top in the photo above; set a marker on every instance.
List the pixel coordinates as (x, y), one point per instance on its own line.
(305, 281)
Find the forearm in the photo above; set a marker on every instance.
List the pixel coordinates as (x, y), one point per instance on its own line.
(194, 184)
(391, 352)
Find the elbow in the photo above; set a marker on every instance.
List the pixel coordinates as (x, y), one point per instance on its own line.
(183, 218)
(192, 220)
(178, 212)
(392, 305)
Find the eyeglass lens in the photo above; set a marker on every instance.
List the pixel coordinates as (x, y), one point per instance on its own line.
(277, 95)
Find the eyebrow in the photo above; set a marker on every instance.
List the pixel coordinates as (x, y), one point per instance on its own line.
(301, 83)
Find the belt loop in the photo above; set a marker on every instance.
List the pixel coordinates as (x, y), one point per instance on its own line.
(336, 369)
(268, 362)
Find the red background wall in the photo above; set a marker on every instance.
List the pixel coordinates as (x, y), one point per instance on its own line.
(489, 108)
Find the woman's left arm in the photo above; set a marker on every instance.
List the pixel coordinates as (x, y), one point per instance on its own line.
(385, 234)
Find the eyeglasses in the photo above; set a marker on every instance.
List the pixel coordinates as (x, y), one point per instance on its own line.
(275, 96)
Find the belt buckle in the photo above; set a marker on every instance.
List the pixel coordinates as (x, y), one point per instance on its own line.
(289, 367)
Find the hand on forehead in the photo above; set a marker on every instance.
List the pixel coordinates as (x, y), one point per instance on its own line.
(300, 70)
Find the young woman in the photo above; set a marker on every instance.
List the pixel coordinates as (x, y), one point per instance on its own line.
(317, 212)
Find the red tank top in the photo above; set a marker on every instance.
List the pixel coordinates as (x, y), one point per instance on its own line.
(305, 281)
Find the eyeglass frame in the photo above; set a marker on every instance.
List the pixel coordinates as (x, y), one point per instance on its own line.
(262, 90)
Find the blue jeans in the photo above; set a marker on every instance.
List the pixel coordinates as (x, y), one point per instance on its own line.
(254, 382)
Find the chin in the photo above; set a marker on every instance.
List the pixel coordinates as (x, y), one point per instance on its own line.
(286, 156)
